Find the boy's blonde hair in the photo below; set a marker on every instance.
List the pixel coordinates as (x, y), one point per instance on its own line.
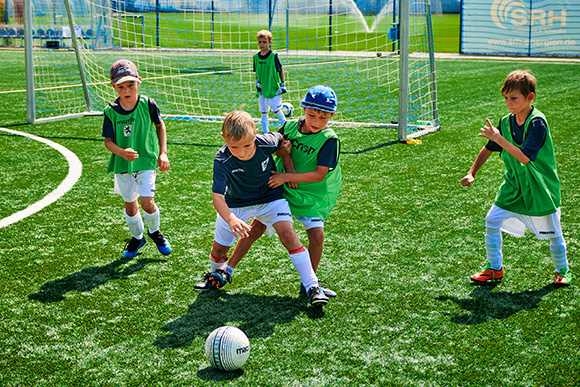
(520, 80)
(265, 34)
(238, 125)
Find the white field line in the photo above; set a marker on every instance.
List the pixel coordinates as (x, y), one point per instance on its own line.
(75, 169)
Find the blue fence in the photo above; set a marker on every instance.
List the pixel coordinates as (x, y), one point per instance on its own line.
(521, 27)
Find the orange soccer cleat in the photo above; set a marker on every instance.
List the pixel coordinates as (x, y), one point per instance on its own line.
(488, 274)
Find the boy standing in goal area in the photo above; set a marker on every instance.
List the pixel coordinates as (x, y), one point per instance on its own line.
(269, 80)
(136, 136)
(311, 181)
(529, 196)
(241, 171)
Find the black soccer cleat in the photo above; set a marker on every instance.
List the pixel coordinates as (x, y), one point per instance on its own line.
(204, 284)
(132, 247)
(317, 296)
(219, 278)
(328, 292)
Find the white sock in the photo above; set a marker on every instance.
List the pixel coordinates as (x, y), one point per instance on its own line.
(281, 117)
(493, 243)
(265, 123)
(558, 250)
(217, 265)
(135, 224)
(301, 260)
(152, 220)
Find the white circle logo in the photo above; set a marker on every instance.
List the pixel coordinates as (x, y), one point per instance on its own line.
(502, 10)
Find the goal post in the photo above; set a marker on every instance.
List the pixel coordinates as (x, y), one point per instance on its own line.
(195, 57)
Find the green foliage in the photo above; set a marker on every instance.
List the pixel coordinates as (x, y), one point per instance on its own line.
(400, 245)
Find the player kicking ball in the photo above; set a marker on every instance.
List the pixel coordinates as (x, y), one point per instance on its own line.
(241, 172)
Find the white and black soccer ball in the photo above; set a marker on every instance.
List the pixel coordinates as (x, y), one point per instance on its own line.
(287, 109)
(227, 348)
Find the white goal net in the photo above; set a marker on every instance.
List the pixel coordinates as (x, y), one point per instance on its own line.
(195, 56)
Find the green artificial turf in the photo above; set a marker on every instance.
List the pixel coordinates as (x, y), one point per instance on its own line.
(400, 245)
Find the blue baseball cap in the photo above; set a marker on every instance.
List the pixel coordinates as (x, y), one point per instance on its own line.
(320, 97)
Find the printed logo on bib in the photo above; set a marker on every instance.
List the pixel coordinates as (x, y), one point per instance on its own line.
(265, 164)
(127, 130)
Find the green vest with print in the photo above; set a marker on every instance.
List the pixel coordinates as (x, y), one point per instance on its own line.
(534, 188)
(310, 199)
(136, 131)
(267, 74)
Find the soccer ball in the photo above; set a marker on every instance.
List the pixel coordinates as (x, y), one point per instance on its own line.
(227, 348)
(287, 109)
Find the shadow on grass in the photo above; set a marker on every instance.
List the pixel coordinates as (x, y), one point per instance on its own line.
(256, 315)
(88, 279)
(484, 305)
(210, 373)
(379, 146)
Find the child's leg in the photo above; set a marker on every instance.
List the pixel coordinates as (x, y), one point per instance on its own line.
(558, 250)
(315, 245)
(218, 256)
(133, 219)
(150, 213)
(264, 122)
(493, 243)
(264, 109)
(298, 254)
(281, 117)
(244, 244)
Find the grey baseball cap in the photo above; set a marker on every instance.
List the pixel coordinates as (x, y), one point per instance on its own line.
(124, 70)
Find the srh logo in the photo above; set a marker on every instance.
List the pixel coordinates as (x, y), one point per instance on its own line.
(518, 14)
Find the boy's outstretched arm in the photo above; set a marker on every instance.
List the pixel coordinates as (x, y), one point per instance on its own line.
(163, 160)
(494, 135)
(482, 157)
(239, 227)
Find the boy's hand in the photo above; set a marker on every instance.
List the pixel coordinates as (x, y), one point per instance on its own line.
(284, 148)
(129, 154)
(239, 227)
(258, 86)
(490, 132)
(277, 179)
(467, 180)
(282, 89)
(163, 162)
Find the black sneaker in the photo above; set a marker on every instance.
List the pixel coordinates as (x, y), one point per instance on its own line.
(132, 247)
(328, 292)
(204, 284)
(219, 278)
(162, 244)
(317, 296)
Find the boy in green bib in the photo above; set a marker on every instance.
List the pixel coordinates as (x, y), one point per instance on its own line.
(269, 80)
(311, 175)
(529, 196)
(136, 136)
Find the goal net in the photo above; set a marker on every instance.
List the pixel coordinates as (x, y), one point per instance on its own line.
(195, 56)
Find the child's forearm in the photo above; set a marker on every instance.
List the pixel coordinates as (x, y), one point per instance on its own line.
(282, 75)
(162, 137)
(513, 150)
(482, 157)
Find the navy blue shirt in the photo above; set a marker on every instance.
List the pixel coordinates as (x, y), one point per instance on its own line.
(327, 157)
(533, 142)
(245, 182)
(108, 130)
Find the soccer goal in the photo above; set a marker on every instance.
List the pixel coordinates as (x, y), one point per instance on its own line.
(195, 56)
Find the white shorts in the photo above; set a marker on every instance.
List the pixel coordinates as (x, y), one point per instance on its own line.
(132, 185)
(547, 226)
(310, 221)
(266, 103)
(267, 213)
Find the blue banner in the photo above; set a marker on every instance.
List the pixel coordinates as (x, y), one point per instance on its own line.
(521, 27)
